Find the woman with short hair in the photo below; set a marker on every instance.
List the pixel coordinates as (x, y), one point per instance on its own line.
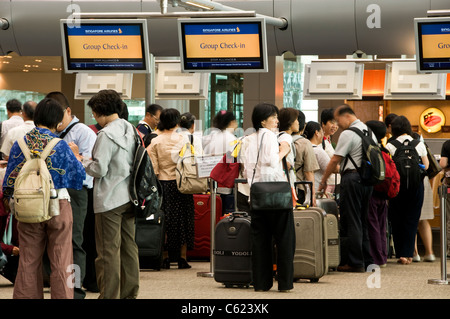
(406, 207)
(55, 234)
(178, 208)
(266, 225)
(117, 262)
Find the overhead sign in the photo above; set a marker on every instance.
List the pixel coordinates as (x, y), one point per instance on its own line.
(433, 44)
(105, 45)
(223, 45)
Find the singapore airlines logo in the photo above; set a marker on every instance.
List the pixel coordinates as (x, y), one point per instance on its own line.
(238, 30)
(120, 31)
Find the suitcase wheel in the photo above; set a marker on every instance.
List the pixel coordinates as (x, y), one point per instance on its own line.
(314, 280)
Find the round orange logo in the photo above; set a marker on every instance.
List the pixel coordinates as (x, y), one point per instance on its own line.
(432, 120)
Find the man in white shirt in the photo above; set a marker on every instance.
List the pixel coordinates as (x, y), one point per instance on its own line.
(149, 123)
(19, 131)
(14, 112)
(354, 198)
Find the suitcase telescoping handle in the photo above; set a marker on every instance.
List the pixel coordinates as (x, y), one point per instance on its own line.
(309, 184)
(238, 181)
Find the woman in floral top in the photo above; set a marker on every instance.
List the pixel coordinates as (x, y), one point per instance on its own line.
(56, 233)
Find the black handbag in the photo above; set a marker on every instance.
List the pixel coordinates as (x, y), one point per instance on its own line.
(270, 196)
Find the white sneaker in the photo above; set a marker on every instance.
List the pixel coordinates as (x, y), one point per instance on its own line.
(416, 258)
(429, 258)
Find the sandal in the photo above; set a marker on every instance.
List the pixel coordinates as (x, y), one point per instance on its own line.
(403, 260)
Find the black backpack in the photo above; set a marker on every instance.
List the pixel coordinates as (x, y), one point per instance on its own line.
(372, 169)
(407, 161)
(145, 189)
(148, 138)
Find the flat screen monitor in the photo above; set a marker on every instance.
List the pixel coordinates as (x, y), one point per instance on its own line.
(432, 44)
(104, 45)
(223, 45)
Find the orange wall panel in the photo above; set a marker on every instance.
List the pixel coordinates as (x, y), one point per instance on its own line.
(373, 84)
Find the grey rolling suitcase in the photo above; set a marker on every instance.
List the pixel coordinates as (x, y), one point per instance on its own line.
(329, 205)
(332, 224)
(233, 249)
(333, 241)
(310, 259)
(311, 251)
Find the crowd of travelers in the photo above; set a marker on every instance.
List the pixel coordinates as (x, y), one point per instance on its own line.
(91, 167)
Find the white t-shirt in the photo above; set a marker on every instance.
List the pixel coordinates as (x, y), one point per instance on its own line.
(269, 168)
(323, 159)
(421, 149)
(14, 134)
(13, 121)
(285, 137)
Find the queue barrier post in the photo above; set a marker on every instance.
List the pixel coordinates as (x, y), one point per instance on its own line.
(443, 193)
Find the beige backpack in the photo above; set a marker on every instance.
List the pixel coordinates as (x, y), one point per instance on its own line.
(32, 186)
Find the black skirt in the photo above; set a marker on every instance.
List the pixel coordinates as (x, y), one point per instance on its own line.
(179, 217)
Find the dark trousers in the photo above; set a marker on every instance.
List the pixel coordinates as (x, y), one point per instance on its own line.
(404, 214)
(79, 203)
(354, 206)
(90, 278)
(277, 226)
(378, 210)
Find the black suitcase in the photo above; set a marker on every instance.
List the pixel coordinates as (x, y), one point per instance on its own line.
(233, 249)
(149, 238)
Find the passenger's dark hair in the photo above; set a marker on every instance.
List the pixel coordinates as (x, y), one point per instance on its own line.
(187, 120)
(310, 129)
(153, 108)
(168, 119)
(326, 116)
(378, 128)
(415, 135)
(262, 112)
(301, 120)
(389, 118)
(28, 109)
(14, 106)
(124, 113)
(60, 97)
(223, 119)
(401, 125)
(286, 117)
(106, 102)
(48, 113)
(344, 109)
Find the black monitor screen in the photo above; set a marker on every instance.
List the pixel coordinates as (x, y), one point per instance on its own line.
(223, 45)
(105, 46)
(433, 44)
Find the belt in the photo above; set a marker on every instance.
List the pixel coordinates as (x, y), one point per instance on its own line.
(347, 171)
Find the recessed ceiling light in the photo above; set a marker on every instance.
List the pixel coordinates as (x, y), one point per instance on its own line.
(38, 60)
(27, 66)
(25, 70)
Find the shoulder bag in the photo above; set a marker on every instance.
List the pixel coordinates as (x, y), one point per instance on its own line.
(227, 170)
(186, 173)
